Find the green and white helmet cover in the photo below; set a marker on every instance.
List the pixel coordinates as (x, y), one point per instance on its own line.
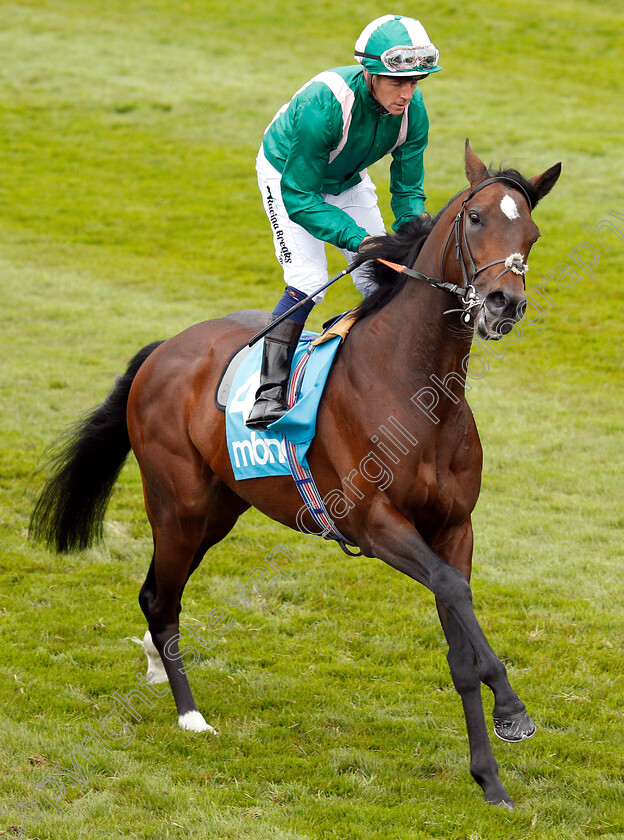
(394, 45)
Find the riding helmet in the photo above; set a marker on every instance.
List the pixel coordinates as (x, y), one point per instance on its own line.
(393, 45)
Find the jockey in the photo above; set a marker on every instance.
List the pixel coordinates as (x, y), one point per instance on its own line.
(312, 173)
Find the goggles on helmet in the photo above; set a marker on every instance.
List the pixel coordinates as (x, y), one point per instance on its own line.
(400, 59)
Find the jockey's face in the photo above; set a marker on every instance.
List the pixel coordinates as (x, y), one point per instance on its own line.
(394, 93)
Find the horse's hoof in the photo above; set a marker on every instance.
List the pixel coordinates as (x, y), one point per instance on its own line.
(508, 804)
(495, 793)
(518, 727)
(194, 722)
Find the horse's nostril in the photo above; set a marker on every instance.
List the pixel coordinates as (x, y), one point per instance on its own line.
(496, 301)
(506, 327)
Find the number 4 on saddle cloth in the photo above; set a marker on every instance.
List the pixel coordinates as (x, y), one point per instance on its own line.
(281, 449)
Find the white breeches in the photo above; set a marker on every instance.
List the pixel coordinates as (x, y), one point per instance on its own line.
(301, 256)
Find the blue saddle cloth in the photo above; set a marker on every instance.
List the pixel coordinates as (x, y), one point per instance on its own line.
(258, 453)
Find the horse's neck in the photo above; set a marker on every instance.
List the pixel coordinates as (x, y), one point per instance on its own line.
(419, 333)
(427, 344)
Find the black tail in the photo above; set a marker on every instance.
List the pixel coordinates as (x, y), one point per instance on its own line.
(69, 513)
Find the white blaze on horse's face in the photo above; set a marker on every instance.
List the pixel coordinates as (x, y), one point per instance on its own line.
(509, 207)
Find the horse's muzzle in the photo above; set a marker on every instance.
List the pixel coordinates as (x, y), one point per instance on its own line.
(501, 310)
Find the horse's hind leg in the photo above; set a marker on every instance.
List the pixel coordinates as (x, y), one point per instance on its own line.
(155, 669)
(181, 538)
(156, 672)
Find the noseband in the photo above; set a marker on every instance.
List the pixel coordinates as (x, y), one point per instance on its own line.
(467, 294)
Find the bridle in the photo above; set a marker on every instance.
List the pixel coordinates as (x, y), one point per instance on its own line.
(467, 294)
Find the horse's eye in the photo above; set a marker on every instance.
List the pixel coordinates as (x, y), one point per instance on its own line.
(474, 217)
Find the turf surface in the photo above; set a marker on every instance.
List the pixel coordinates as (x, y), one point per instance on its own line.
(129, 210)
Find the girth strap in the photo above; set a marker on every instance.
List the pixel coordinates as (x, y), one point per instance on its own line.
(302, 476)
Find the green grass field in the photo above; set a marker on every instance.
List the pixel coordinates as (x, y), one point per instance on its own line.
(128, 211)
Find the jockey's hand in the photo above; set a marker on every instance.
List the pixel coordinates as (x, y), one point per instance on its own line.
(365, 243)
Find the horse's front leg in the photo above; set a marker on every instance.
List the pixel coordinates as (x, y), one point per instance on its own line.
(456, 549)
(511, 720)
(392, 538)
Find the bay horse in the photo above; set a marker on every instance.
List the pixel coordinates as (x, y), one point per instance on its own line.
(419, 522)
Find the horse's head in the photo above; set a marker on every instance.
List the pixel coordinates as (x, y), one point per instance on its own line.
(488, 244)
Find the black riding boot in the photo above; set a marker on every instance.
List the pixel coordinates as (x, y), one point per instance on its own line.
(277, 355)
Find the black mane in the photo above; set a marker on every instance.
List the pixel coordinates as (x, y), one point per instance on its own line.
(405, 245)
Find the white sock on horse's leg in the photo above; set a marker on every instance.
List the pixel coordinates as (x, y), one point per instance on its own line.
(155, 667)
(194, 722)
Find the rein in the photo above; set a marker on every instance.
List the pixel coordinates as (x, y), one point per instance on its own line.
(467, 294)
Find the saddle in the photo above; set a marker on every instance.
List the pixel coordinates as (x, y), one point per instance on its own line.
(337, 326)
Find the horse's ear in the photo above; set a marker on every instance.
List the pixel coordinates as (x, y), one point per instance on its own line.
(476, 170)
(544, 183)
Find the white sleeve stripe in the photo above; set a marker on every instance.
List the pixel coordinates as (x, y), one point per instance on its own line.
(284, 108)
(343, 94)
(346, 98)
